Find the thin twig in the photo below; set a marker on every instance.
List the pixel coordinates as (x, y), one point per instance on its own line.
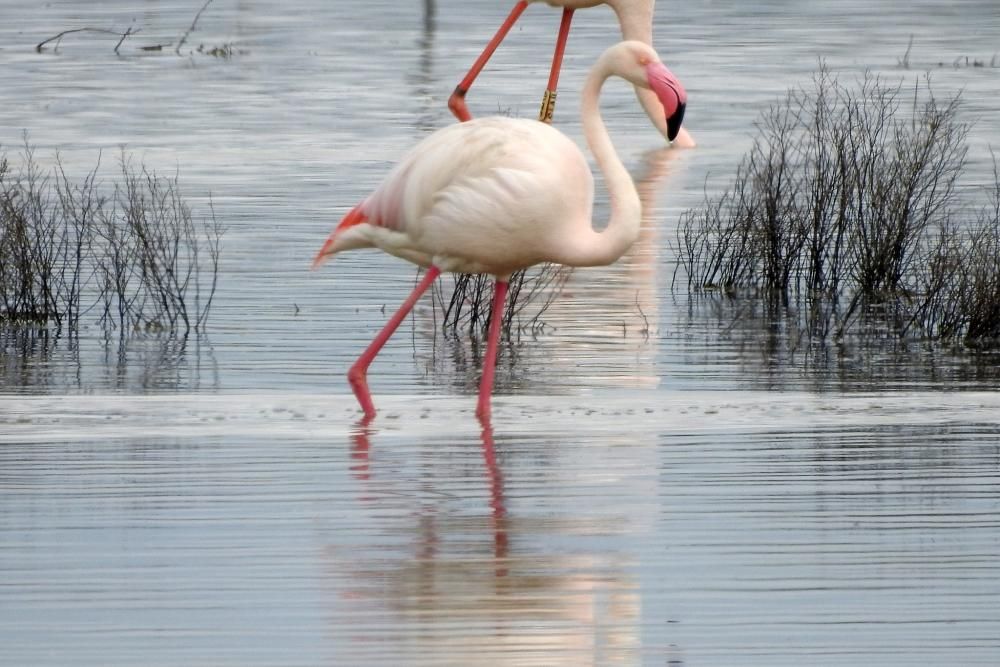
(41, 45)
(905, 61)
(645, 321)
(191, 29)
(128, 32)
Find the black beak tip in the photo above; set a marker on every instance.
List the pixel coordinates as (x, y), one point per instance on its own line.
(674, 122)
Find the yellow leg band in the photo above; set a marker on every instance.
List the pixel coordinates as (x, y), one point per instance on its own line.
(548, 106)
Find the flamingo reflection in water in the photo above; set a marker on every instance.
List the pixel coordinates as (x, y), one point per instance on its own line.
(452, 575)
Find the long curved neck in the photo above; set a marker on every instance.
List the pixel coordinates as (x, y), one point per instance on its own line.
(599, 248)
(636, 20)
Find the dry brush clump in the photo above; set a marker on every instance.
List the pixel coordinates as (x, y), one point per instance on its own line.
(466, 301)
(130, 257)
(846, 209)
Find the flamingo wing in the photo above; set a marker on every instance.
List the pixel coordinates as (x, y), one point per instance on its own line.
(490, 222)
(463, 197)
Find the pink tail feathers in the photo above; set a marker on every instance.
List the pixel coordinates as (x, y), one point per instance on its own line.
(355, 217)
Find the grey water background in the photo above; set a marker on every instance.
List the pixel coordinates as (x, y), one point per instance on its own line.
(661, 487)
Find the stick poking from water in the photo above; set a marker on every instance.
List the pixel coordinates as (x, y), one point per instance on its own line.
(191, 29)
(41, 45)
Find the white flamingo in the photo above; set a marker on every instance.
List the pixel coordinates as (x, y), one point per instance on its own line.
(635, 17)
(496, 195)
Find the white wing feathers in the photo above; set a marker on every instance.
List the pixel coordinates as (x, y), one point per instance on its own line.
(472, 189)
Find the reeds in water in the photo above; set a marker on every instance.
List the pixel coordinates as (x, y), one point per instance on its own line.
(847, 209)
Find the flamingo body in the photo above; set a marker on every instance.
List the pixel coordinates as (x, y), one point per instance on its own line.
(634, 16)
(492, 195)
(497, 195)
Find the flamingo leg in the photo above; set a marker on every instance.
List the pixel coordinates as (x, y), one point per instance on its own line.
(549, 100)
(490, 361)
(358, 374)
(457, 100)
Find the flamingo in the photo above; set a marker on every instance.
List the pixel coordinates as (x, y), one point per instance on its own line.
(497, 195)
(635, 18)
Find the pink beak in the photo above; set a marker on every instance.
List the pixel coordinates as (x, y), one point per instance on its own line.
(671, 93)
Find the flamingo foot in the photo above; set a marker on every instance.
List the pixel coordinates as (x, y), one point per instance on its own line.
(358, 377)
(456, 103)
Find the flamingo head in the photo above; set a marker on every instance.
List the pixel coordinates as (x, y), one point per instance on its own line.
(639, 64)
(671, 94)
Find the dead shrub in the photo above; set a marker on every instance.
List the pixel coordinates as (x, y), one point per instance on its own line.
(132, 254)
(846, 209)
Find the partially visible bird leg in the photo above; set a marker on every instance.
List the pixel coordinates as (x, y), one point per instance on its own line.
(492, 342)
(549, 100)
(358, 374)
(457, 100)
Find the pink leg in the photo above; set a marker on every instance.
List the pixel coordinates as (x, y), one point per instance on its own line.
(490, 362)
(457, 100)
(358, 375)
(549, 100)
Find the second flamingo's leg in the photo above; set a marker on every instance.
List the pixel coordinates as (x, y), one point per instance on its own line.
(358, 374)
(549, 100)
(492, 344)
(457, 100)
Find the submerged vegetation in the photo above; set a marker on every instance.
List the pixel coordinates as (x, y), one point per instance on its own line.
(466, 301)
(128, 257)
(846, 212)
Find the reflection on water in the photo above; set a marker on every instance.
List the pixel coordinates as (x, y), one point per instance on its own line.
(461, 587)
(35, 360)
(423, 78)
(315, 105)
(772, 347)
(719, 528)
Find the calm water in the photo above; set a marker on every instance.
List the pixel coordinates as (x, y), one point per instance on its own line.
(660, 488)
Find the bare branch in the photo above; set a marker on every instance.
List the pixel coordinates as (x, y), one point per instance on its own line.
(191, 29)
(41, 45)
(128, 32)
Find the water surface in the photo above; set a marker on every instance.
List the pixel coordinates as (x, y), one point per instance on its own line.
(660, 487)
